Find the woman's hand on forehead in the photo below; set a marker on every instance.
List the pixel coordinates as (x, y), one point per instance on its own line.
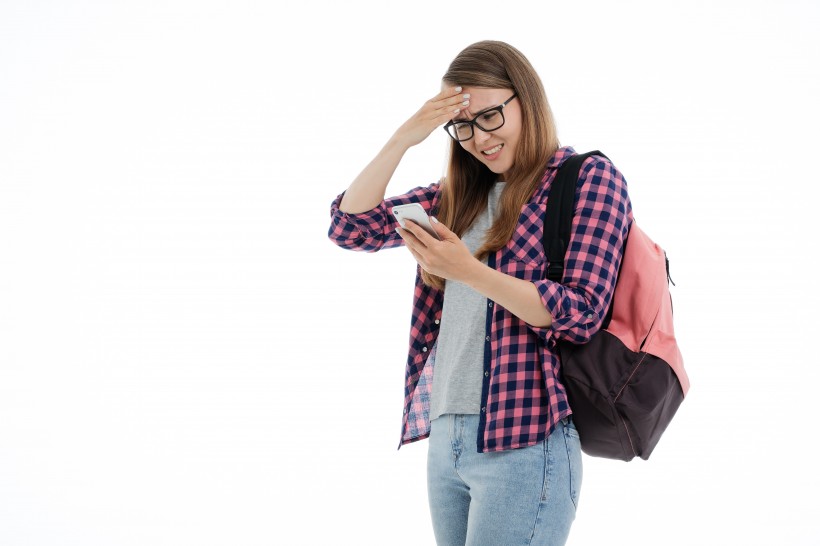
(434, 113)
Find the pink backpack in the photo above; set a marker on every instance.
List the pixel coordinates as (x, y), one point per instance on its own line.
(624, 385)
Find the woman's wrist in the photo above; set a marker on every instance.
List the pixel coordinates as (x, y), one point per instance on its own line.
(476, 274)
(400, 142)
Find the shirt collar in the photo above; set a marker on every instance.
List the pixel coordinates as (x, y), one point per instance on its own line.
(560, 155)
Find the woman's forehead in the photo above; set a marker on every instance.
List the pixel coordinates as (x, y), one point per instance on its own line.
(482, 98)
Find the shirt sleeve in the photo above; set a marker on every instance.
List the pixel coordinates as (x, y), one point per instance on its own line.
(375, 229)
(603, 214)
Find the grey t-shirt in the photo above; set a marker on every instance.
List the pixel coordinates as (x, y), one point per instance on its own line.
(459, 356)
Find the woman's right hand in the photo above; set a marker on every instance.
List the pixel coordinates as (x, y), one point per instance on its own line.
(435, 112)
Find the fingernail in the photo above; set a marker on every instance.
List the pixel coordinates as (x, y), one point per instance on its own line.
(465, 103)
(434, 219)
(458, 89)
(466, 95)
(456, 111)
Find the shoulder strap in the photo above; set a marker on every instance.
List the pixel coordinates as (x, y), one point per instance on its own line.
(560, 209)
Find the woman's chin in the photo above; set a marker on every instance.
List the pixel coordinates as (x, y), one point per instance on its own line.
(497, 168)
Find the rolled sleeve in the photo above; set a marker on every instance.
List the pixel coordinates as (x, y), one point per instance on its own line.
(375, 229)
(600, 224)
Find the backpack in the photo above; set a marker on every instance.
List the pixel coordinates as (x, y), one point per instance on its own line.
(624, 385)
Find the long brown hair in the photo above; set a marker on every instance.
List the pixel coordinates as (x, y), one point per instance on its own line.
(465, 189)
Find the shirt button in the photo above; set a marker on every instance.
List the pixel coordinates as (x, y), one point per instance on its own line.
(486, 374)
(438, 321)
(490, 304)
(590, 316)
(484, 409)
(424, 349)
(487, 338)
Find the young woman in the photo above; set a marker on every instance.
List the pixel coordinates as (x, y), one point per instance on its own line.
(483, 375)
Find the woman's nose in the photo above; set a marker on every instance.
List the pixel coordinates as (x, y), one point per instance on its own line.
(480, 136)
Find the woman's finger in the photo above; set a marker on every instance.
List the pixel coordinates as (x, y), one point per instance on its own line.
(447, 93)
(453, 103)
(412, 244)
(410, 240)
(450, 108)
(418, 257)
(419, 234)
(443, 231)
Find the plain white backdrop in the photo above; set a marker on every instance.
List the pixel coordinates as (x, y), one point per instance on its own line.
(185, 359)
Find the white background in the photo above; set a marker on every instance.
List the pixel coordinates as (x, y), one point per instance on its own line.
(185, 359)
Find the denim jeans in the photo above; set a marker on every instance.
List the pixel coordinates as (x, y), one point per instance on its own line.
(523, 496)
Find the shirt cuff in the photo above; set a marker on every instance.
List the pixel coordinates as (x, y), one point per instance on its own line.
(572, 317)
(361, 229)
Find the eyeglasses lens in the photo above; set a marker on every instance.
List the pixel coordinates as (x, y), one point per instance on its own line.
(488, 121)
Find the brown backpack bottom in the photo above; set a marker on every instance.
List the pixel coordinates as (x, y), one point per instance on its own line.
(621, 401)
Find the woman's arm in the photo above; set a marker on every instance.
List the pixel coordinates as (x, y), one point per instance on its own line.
(519, 297)
(368, 189)
(603, 214)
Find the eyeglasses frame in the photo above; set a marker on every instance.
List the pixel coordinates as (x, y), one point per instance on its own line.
(473, 121)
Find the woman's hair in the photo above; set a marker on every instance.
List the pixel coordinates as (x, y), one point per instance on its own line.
(465, 188)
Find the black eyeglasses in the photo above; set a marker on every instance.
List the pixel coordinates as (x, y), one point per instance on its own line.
(490, 119)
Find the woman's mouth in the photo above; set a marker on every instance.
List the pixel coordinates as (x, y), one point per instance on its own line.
(493, 152)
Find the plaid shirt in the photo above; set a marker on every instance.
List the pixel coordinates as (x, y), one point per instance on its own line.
(522, 395)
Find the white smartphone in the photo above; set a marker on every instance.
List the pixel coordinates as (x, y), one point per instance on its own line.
(416, 213)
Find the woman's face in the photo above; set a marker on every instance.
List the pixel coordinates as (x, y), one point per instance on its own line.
(496, 149)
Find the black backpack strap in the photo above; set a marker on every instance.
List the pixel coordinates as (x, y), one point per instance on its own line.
(560, 209)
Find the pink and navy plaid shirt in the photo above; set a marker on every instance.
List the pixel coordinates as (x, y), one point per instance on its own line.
(522, 396)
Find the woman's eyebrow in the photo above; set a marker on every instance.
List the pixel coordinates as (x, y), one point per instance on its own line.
(459, 118)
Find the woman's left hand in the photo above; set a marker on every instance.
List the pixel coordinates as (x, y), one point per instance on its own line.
(448, 258)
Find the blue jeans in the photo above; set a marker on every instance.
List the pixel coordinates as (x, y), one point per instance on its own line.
(523, 496)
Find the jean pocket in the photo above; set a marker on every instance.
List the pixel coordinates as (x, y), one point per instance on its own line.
(569, 428)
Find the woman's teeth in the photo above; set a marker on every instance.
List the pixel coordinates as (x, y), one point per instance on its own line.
(491, 151)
